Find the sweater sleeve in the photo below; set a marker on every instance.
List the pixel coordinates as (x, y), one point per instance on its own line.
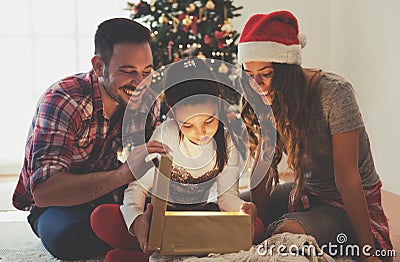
(137, 191)
(135, 197)
(228, 182)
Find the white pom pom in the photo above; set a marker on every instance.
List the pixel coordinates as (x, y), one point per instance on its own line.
(302, 39)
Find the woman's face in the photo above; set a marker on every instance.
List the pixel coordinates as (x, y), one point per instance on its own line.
(197, 122)
(262, 73)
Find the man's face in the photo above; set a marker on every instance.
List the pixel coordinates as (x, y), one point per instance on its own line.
(130, 64)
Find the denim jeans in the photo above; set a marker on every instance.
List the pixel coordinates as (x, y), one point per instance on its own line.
(324, 222)
(66, 232)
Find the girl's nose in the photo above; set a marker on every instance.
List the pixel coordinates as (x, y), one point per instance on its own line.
(259, 80)
(201, 131)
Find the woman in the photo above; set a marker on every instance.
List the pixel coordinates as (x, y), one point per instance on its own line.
(320, 129)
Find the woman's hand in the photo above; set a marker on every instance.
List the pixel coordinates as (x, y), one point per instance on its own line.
(141, 227)
(251, 209)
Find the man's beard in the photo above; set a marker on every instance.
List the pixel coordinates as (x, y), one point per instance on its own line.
(107, 87)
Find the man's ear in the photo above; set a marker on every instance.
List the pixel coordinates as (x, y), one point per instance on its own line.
(98, 66)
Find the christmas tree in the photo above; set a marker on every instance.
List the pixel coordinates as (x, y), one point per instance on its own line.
(188, 28)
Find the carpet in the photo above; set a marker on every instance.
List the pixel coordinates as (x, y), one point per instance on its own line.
(19, 243)
(34, 253)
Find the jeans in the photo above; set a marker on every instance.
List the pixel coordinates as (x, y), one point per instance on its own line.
(322, 221)
(66, 232)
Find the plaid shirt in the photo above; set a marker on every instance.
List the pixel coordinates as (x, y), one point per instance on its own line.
(70, 133)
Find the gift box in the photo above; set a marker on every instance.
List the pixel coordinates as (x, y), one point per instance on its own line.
(193, 232)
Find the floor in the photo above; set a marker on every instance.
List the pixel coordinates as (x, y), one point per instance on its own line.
(16, 233)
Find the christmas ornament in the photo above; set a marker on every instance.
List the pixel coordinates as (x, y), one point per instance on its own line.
(170, 44)
(210, 5)
(187, 21)
(220, 37)
(227, 26)
(201, 55)
(202, 15)
(223, 69)
(176, 58)
(163, 19)
(191, 8)
(207, 40)
(175, 24)
(189, 51)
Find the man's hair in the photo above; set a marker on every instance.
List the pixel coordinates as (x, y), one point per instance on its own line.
(118, 30)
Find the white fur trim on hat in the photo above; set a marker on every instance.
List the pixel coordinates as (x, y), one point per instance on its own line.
(269, 52)
(302, 39)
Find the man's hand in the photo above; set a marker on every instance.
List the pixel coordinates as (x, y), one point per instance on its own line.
(141, 227)
(140, 159)
(251, 209)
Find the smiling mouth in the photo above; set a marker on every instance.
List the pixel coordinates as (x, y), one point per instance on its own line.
(132, 93)
(265, 93)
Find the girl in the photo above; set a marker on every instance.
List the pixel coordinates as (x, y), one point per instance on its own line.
(320, 128)
(203, 155)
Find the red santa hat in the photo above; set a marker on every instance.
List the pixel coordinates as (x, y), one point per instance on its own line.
(272, 37)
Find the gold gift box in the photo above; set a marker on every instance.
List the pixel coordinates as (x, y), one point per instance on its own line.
(193, 232)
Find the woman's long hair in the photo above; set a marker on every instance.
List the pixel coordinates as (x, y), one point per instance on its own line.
(291, 116)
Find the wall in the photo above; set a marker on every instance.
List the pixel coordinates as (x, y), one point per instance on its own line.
(366, 51)
(359, 40)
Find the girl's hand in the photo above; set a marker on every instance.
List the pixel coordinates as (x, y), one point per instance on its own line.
(143, 157)
(141, 227)
(251, 209)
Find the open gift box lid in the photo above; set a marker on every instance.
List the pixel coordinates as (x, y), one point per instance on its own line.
(193, 232)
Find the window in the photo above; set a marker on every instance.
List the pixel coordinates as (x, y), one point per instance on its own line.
(41, 42)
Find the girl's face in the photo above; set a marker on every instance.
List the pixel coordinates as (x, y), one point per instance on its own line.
(262, 73)
(197, 122)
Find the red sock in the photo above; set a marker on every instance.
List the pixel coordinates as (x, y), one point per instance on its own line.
(259, 231)
(108, 224)
(123, 255)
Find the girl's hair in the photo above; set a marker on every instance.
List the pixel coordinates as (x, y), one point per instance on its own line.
(202, 86)
(291, 116)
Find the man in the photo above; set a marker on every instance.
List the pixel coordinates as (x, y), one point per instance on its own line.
(71, 163)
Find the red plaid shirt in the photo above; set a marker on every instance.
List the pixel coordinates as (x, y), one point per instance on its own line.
(379, 222)
(71, 133)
